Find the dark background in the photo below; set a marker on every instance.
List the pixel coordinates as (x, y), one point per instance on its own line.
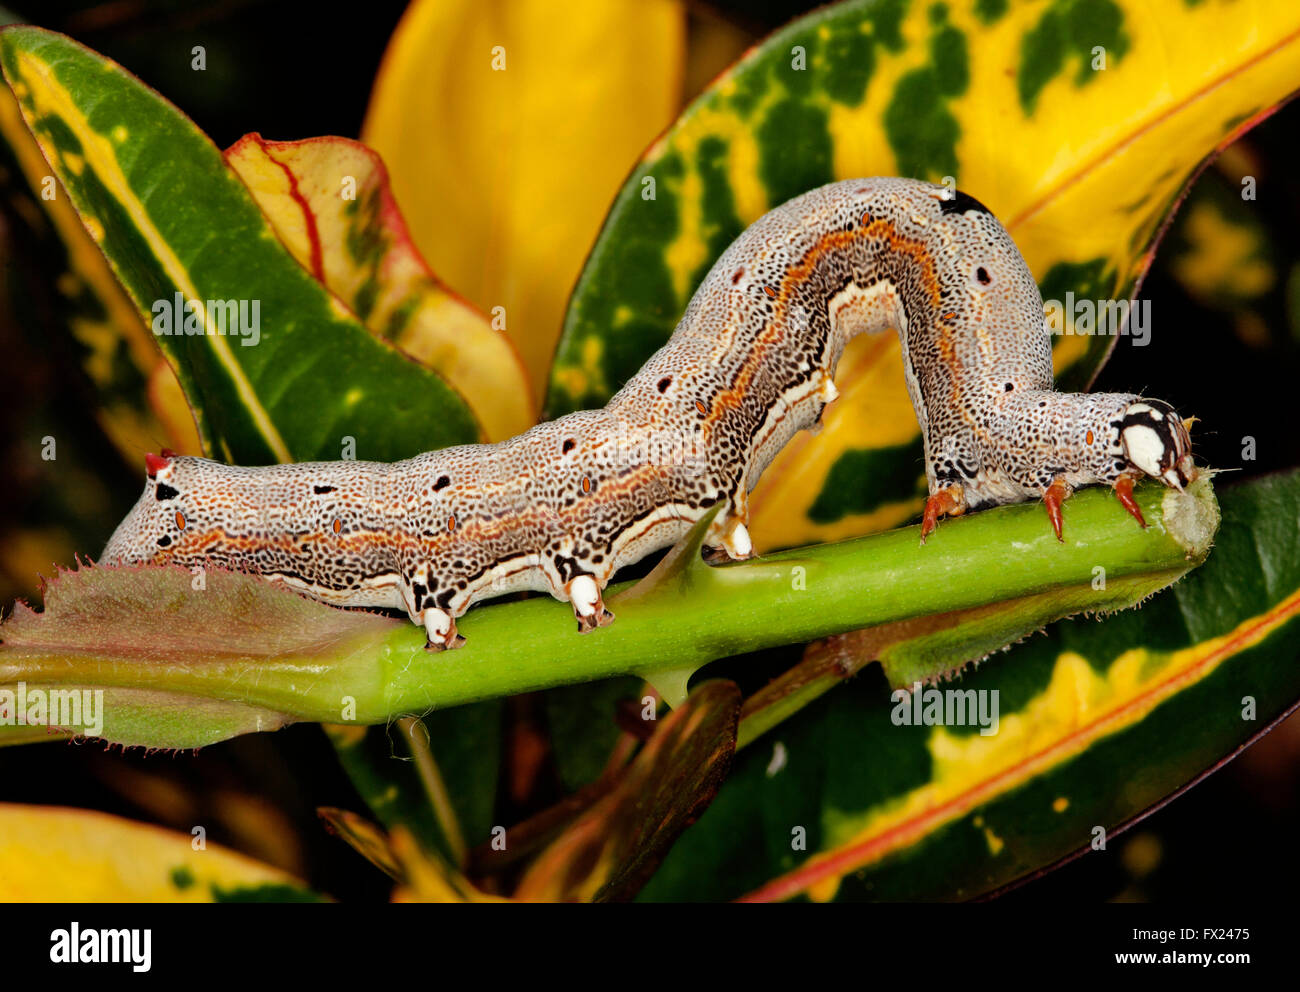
(1229, 358)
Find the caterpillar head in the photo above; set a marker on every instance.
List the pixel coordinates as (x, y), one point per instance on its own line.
(1156, 442)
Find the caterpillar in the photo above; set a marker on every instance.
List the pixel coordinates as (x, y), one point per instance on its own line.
(562, 507)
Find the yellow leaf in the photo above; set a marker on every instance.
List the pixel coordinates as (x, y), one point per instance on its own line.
(58, 854)
(508, 127)
(426, 877)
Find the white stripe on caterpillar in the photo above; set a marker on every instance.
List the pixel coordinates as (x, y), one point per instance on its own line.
(563, 506)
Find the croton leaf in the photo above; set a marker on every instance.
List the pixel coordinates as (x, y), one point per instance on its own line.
(1106, 130)
(507, 130)
(52, 854)
(329, 201)
(421, 875)
(1094, 724)
(275, 368)
(610, 851)
(140, 400)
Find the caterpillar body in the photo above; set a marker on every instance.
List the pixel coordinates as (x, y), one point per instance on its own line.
(562, 507)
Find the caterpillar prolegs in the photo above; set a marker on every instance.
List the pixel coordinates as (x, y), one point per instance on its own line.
(563, 506)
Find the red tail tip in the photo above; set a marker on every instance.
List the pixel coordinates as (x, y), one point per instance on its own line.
(154, 463)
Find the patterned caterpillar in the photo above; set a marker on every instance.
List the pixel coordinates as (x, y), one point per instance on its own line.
(563, 506)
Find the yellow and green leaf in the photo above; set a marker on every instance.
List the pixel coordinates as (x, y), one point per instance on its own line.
(507, 128)
(187, 241)
(140, 399)
(56, 854)
(1067, 118)
(330, 203)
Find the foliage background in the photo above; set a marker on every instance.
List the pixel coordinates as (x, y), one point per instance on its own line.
(1226, 282)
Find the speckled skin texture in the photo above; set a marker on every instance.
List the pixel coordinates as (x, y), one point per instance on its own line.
(561, 507)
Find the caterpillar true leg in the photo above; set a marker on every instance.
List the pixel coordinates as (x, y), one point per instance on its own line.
(948, 501)
(1053, 496)
(1124, 492)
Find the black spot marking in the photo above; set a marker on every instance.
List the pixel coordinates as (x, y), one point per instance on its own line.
(567, 567)
(664, 383)
(1009, 386)
(568, 446)
(961, 202)
(322, 490)
(444, 598)
(164, 491)
(164, 541)
(736, 276)
(982, 274)
(442, 483)
(419, 590)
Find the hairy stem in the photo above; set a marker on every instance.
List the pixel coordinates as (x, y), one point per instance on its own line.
(683, 615)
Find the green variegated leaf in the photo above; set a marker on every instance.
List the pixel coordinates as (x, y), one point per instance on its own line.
(302, 375)
(1068, 118)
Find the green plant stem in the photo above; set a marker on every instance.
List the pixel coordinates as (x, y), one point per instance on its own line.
(681, 616)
